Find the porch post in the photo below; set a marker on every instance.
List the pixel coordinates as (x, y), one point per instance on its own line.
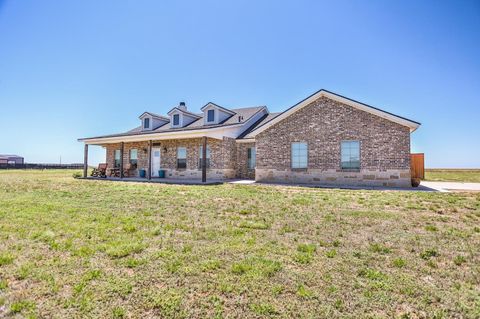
(204, 160)
(121, 160)
(150, 159)
(85, 161)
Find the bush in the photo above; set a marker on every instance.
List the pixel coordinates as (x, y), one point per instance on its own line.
(77, 175)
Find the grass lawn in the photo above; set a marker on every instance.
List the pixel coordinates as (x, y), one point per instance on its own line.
(74, 248)
(453, 175)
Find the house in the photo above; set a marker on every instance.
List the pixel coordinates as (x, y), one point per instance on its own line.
(323, 139)
(10, 159)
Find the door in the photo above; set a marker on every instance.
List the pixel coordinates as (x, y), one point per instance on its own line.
(155, 161)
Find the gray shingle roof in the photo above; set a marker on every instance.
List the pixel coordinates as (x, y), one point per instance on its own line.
(241, 116)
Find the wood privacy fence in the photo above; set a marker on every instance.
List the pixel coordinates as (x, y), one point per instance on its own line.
(40, 166)
(417, 165)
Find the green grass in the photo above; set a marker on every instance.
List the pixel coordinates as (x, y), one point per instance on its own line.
(453, 175)
(97, 249)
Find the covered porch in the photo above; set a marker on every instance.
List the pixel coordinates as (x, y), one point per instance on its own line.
(165, 159)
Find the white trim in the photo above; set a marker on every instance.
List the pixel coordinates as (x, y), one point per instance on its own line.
(246, 140)
(322, 93)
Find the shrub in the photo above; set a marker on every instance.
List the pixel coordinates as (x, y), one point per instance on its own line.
(429, 253)
(77, 175)
(399, 262)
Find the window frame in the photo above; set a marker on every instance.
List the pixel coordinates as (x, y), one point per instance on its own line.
(173, 119)
(208, 116)
(292, 162)
(181, 162)
(350, 168)
(133, 161)
(200, 156)
(115, 152)
(251, 160)
(146, 123)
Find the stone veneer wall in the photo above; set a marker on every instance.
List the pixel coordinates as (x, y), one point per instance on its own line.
(222, 157)
(384, 147)
(242, 169)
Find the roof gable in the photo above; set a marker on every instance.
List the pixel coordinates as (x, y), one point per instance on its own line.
(339, 98)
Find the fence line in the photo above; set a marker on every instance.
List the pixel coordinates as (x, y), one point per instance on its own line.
(40, 166)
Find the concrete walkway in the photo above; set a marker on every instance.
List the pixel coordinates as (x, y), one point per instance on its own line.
(451, 186)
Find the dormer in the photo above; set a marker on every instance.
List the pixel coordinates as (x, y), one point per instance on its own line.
(181, 117)
(215, 114)
(152, 121)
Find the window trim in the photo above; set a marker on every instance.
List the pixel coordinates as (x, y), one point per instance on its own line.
(130, 159)
(291, 156)
(186, 155)
(250, 157)
(200, 155)
(145, 122)
(173, 119)
(213, 116)
(359, 157)
(115, 157)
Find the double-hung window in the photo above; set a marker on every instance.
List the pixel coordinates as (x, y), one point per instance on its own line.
(200, 160)
(117, 158)
(181, 157)
(299, 155)
(133, 157)
(251, 157)
(350, 155)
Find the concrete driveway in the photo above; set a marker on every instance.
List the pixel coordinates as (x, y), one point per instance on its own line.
(451, 186)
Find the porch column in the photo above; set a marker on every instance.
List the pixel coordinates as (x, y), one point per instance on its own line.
(204, 160)
(150, 159)
(85, 161)
(121, 160)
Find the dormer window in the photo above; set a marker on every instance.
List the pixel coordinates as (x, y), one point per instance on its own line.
(146, 123)
(176, 119)
(211, 116)
(151, 121)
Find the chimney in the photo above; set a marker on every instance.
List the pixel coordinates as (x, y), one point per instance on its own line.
(182, 106)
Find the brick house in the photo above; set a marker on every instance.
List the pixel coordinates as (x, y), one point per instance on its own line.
(324, 139)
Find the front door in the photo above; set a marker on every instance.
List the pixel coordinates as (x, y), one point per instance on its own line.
(155, 161)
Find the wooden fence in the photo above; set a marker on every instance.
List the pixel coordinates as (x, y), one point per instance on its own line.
(40, 166)
(417, 165)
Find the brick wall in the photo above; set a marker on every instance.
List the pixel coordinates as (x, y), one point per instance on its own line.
(222, 157)
(384, 150)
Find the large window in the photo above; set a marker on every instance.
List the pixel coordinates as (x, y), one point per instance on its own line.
(181, 157)
(252, 157)
(299, 155)
(350, 155)
(146, 123)
(133, 157)
(200, 160)
(210, 115)
(176, 119)
(117, 158)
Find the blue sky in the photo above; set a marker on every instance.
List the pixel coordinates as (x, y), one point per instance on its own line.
(71, 69)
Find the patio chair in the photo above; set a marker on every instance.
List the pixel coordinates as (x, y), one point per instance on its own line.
(100, 171)
(128, 168)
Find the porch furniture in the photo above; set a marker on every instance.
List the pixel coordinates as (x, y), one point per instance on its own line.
(115, 172)
(128, 168)
(100, 171)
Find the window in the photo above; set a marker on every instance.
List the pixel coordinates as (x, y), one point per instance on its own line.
(299, 155)
(146, 123)
(201, 157)
(210, 115)
(117, 158)
(252, 157)
(133, 157)
(181, 157)
(176, 119)
(350, 155)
